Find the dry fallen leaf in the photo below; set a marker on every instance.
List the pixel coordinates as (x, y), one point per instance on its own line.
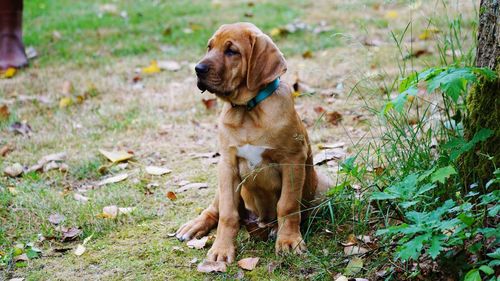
(80, 198)
(4, 112)
(14, 170)
(354, 266)
(65, 102)
(319, 109)
(22, 128)
(114, 179)
(307, 54)
(8, 73)
(364, 238)
(197, 243)
(329, 154)
(157, 171)
(171, 195)
(110, 211)
(334, 117)
(354, 250)
(70, 233)
(152, 68)
(126, 210)
(80, 249)
(56, 218)
(351, 240)
(248, 263)
(195, 185)
(212, 266)
(331, 145)
(6, 149)
(209, 103)
(116, 156)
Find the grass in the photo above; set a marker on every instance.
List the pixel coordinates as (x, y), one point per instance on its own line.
(165, 122)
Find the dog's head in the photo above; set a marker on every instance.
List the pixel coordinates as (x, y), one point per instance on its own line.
(240, 59)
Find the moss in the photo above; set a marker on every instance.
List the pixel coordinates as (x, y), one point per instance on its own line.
(483, 106)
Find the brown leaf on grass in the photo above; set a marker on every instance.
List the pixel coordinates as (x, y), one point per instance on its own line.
(6, 149)
(248, 263)
(114, 179)
(351, 240)
(379, 170)
(354, 250)
(372, 42)
(110, 211)
(329, 154)
(211, 266)
(354, 266)
(248, 15)
(125, 210)
(80, 249)
(307, 54)
(195, 185)
(22, 257)
(331, 145)
(197, 243)
(56, 218)
(157, 171)
(364, 238)
(210, 103)
(334, 117)
(14, 170)
(4, 112)
(171, 195)
(116, 156)
(418, 53)
(22, 128)
(70, 233)
(319, 109)
(80, 198)
(49, 162)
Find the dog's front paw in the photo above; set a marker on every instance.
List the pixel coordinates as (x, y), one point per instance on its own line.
(222, 251)
(290, 244)
(196, 228)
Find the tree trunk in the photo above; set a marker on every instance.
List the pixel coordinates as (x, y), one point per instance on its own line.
(483, 104)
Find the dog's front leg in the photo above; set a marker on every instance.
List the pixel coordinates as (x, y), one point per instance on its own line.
(223, 248)
(289, 237)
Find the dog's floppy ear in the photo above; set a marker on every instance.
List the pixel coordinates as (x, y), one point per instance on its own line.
(265, 62)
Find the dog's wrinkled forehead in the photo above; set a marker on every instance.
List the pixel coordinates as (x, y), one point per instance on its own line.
(236, 33)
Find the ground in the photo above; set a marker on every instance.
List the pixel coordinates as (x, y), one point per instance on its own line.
(99, 49)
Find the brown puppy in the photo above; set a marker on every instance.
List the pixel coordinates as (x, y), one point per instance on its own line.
(266, 167)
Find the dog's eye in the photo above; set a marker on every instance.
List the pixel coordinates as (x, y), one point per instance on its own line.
(230, 52)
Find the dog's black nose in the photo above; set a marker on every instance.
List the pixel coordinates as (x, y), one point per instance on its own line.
(201, 68)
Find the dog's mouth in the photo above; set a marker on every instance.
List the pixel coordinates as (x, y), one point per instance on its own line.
(203, 86)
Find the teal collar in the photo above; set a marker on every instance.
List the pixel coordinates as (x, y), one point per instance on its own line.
(263, 94)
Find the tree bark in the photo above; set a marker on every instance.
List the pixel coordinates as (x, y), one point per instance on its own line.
(482, 103)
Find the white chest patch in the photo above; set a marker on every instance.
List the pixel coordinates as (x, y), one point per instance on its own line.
(252, 153)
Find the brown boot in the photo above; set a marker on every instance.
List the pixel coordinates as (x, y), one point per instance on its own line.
(12, 52)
